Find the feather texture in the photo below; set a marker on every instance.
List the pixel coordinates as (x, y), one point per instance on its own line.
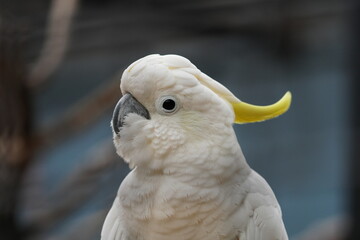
(190, 180)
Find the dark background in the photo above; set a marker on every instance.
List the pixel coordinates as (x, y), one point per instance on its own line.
(60, 65)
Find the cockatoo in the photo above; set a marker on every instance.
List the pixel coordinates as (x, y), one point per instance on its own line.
(189, 178)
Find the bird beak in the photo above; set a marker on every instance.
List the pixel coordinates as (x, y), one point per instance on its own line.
(247, 113)
(127, 104)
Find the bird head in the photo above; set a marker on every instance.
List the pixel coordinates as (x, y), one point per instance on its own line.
(169, 107)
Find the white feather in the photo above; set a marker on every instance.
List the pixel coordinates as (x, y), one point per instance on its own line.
(190, 179)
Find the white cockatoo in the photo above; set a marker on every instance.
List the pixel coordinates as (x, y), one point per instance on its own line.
(189, 178)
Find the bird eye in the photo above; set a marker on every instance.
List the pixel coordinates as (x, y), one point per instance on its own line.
(167, 105)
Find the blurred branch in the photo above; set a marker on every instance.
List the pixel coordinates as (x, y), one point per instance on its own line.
(82, 114)
(15, 149)
(58, 31)
(92, 223)
(79, 187)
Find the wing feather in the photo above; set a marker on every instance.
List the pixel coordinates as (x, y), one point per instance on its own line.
(112, 228)
(265, 224)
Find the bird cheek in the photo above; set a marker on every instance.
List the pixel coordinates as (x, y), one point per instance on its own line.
(133, 144)
(166, 139)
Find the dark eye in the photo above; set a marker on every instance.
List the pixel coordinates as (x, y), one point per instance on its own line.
(167, 105)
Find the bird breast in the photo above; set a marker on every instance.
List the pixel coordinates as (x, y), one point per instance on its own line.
(164, 208)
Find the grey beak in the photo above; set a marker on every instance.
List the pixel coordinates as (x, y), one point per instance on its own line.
(127, 104)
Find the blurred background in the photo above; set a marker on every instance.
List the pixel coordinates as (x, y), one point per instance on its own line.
(60, 65)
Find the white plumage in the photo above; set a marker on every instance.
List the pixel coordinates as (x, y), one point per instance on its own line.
(189, 178)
